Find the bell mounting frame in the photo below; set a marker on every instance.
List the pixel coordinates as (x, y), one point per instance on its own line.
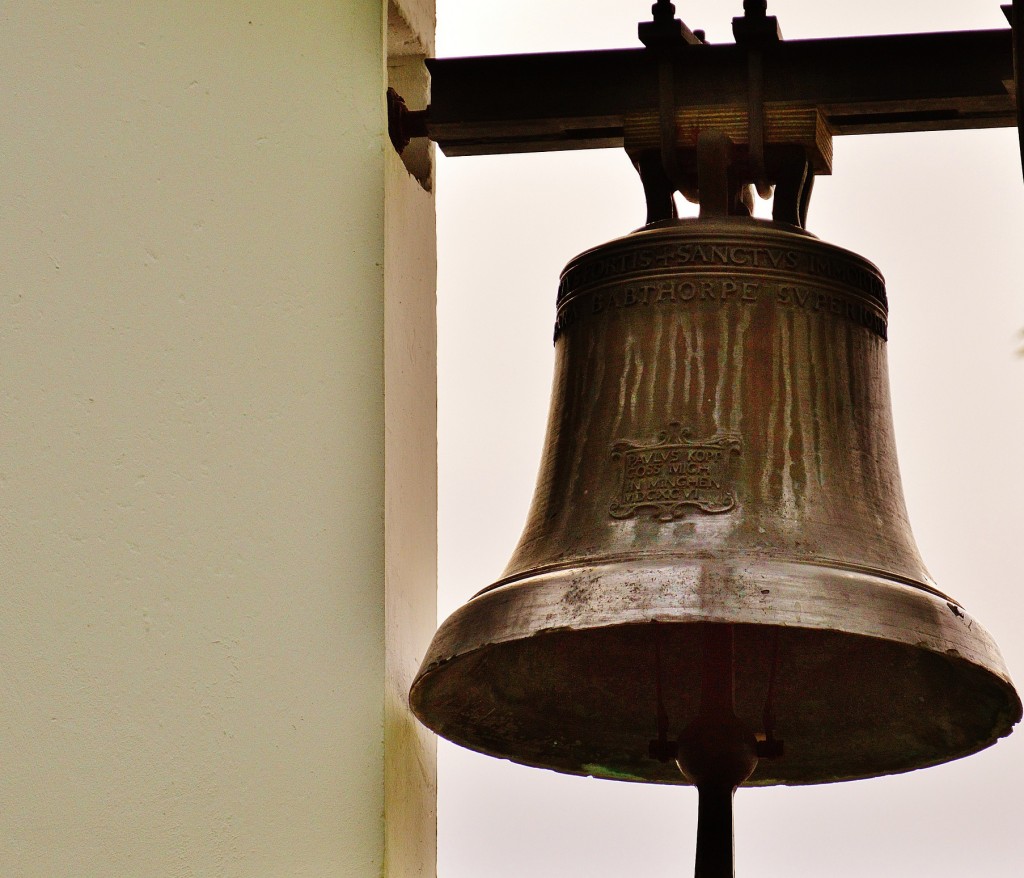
(779, 101)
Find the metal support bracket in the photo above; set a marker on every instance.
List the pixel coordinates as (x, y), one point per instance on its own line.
(860, 85)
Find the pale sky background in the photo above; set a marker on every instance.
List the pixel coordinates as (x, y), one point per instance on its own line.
(942, 215)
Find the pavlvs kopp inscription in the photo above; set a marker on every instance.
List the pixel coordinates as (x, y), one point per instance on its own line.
(675, 474)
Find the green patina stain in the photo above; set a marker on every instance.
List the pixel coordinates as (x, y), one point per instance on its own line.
(604, 771)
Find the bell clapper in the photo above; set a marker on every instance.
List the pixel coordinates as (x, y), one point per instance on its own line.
(716, 752)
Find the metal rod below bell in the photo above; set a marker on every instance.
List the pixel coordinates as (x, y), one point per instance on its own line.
(715, 856)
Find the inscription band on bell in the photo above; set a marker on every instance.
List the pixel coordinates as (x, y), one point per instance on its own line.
(722, 289)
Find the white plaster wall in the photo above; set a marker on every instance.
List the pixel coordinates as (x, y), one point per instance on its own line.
(410, 385)
(192, 431)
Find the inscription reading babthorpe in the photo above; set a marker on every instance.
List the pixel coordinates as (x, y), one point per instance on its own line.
(719, 291)
(674, 474)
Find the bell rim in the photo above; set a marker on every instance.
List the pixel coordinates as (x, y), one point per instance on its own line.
(973, 655)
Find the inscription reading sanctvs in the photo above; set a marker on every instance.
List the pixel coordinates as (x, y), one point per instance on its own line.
(675, 474)
(675, 256)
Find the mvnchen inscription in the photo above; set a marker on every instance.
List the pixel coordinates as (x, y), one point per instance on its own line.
(675, 474)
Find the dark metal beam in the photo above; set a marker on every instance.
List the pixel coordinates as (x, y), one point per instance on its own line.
(580, 100)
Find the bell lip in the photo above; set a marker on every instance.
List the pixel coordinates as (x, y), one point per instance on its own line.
(955, 636)
(510, 579)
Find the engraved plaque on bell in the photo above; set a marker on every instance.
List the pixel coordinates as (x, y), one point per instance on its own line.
(719, 453)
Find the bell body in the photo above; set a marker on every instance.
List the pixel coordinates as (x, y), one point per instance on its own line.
(720, 451)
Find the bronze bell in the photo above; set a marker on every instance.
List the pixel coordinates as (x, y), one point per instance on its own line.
(719, 479)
